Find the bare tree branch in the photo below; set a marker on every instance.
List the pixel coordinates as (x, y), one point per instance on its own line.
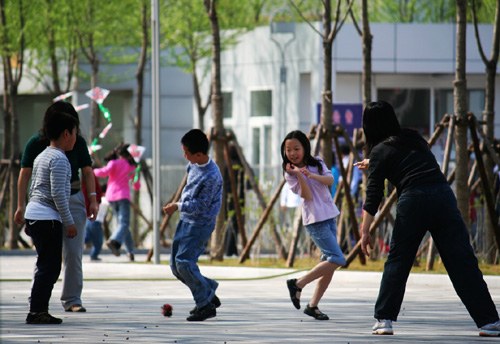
(299, 12)
(476, 32)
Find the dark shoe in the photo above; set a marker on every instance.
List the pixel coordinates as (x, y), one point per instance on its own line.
(42, 318)
(114, 246)
(315, 313)
(95, 259)
(203, 313)
(293, 289)
(215, 301)
(76, 309)
(131, 257)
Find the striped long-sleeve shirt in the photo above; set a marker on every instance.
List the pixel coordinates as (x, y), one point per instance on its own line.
(50, 188)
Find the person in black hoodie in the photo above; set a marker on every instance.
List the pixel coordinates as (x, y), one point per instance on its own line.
(425, 203)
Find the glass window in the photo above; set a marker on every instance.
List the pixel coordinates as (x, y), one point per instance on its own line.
(256, 146)
(268, 140)
(412, 106)
(476, 100)
(227, 104)
(261, 104)
(444, 103)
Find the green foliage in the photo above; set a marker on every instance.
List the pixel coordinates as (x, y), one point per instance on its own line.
(186, 33)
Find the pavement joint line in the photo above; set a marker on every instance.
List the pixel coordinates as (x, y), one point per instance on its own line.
(149, 279)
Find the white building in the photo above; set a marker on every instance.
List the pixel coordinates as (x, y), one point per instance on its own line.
(413, 68)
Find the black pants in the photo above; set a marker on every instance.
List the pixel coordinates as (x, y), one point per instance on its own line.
(433, 208)
(47, 238)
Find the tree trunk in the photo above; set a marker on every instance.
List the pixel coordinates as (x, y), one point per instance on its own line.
(327, 96)
(489, 117)
(217, 243)
(367, 56)
(139, 76)
(489, 120)
(12, 79)
(14, 172)
(460, 106)
(94, 119)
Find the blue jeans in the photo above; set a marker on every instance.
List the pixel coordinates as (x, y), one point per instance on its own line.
(122, 235)
(47, 238)
(94, 235)
(433, 208)
(190, 241)
(324, 235)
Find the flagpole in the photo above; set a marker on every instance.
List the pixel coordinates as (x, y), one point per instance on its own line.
(156, 125)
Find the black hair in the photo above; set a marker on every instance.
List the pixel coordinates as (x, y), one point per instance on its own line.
(195, 141)
(123, 152)
(380, 124)
(111, 155)
(55, 123)
(309, 160)
(120, 151)
(58, 107)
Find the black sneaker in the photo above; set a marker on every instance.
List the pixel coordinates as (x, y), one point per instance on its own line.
(293, 289)
(315, 313)
(42, 318)
(114, 246)
(215, 301)
(203, 313)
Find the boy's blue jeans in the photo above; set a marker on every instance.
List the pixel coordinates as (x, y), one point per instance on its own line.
(433, 208)
(190, 241)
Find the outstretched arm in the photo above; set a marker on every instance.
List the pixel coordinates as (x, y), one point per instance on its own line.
(363, 164)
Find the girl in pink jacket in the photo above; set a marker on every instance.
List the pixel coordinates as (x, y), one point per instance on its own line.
(120, 171)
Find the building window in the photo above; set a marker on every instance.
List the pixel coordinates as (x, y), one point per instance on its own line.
(256, 146)
(412, 106)
(261, 103)
(444, 103)
(227, 104)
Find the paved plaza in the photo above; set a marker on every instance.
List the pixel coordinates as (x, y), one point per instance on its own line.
(123, 301)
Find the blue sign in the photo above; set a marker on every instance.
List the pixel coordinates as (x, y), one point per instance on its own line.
(348, 115)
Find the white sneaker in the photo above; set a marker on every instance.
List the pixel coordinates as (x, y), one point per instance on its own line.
(490, 330)
(382, 327)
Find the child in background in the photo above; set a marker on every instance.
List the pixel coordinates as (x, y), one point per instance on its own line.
(120, 171)
(93, 229)
(311, 179)
(199, 205)
(47, 213)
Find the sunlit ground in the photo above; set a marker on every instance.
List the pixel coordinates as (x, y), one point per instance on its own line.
(307, 263)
